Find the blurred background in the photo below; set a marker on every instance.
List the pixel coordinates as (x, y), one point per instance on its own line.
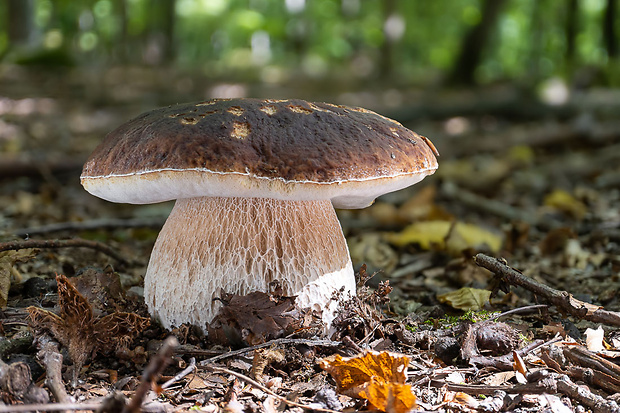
(520, 97)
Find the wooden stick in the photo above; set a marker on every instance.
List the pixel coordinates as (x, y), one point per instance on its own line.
(561, 299)
(95, 224)
(48, 407)
(63, 243)
(154, 369)
(279, 341)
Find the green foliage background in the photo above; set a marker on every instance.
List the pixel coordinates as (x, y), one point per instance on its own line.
(274, 40)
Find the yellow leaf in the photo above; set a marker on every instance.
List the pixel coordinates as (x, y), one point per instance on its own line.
(7, 260)
(465, 298)
(565, 202)
(443, 234)
(378, 377)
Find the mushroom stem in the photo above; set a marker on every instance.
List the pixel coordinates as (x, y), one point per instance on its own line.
(240, 245)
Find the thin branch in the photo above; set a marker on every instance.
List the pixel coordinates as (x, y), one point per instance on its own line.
(154, 369)
(49, 407)
(325, 343)
(63, 243)
(267, 390)
(96, 224)
(185, 372)
(561, 299)
(526, 309)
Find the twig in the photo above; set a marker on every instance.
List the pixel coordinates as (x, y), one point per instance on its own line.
(487, 205)
(562, 299)
(51, 358)
(279, 341)
(96, 224)
(526, 309)
(529, 388)
(185, 372)
(48, 407)
(584, 396)
(63, 243)
(267, 390)
(154, 369)
(347, 341)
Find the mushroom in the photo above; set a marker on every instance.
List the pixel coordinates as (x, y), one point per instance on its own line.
(255, 183)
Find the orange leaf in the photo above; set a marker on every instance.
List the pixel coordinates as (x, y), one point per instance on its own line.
(378, 377)
(389, 397)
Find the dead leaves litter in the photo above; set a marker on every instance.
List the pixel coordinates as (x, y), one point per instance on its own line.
(79, 331)
(378, 377)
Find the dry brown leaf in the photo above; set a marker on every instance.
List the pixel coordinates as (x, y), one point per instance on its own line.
(378, 377)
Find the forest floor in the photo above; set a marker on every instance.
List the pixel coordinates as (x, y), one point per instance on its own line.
(535, 186)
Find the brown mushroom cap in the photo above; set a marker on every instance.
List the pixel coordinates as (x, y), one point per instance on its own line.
(282, 149)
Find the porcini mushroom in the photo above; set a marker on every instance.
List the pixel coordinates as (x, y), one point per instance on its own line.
(255, 181)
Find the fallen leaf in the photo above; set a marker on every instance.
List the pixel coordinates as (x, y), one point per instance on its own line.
(466, 298)
(563, 201)
(7, 271)
(443, 234)
(255, 318)
(378, 377)
(81, 333)
(594, 339)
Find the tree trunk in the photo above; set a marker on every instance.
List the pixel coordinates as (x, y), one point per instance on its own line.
(570, 30)
(609, 29)
(19, 21)
(474, 43)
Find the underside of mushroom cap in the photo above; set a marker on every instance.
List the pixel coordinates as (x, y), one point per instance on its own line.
(288, 149)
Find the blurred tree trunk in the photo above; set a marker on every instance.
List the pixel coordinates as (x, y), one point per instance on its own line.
(122, 50)
(386, 64)
(609, 29)
(474, 43)
(537, 26)
(19, 22)
(160, 36)
(570, 30)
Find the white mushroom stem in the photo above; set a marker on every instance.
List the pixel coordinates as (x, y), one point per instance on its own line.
(240, 245)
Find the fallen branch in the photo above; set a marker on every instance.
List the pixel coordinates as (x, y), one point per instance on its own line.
(584, 396)
(64, 243)
(279, 341)
(185, 372)
(565, 302)
(48, 407)
(96, 224)
(154, 369)
(486, 205)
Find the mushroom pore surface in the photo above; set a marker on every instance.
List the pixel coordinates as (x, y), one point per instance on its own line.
(240, 245)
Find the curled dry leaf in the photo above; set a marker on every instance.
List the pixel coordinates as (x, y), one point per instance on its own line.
(83, 334)
(378, 377)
